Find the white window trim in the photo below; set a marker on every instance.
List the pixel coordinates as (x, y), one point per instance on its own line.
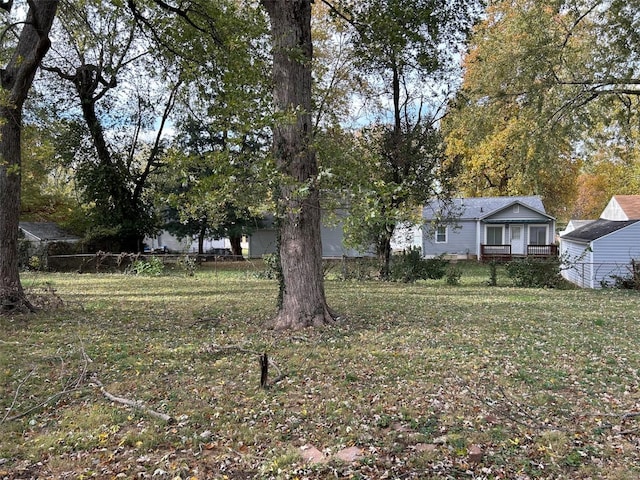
(446, 234)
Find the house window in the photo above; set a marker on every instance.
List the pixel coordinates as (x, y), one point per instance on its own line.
(441, 235)
(494, 235)
(516, 209)
(538, 235)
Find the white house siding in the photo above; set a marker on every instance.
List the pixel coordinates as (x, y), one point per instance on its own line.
(578, 266)
(613, 211)
(405, 237)
(186, 244)
(461, 240)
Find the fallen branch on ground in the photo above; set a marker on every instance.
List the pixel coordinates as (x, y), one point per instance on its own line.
(131, 403)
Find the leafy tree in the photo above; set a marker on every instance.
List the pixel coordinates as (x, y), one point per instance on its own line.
(21, 61)
(209, 195)
(406, 50)
(541, 80)
(47, 191)
(335, 81)
(219, 165)
(103, 62)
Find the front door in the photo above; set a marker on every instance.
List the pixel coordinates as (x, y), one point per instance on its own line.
(517, 240)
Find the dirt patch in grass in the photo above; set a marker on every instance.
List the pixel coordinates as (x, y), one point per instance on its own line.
(425, 380)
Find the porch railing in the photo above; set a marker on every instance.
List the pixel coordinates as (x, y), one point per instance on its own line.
(503, 252)
(495, 252)
(542, 250)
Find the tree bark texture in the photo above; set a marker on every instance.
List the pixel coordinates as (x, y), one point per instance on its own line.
(303, 298)
(16, 79)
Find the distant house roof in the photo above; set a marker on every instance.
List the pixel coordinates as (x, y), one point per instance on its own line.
(478, 207)
(597, 229)
(46, 232)
(630, 204)
(580, 223)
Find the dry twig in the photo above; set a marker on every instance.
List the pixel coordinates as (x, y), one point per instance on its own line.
(15, 396)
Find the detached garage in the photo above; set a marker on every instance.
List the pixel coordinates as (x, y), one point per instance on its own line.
(596, 253)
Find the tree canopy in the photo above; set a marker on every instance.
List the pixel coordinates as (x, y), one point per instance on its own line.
(542, 81)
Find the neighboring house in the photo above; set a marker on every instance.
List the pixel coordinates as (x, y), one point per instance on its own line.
(263, 241)
(596, 253)
(622, 207)
(41, 234)
(166, 241)
(488, 227)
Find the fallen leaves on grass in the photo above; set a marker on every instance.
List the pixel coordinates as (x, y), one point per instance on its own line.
(421, 381)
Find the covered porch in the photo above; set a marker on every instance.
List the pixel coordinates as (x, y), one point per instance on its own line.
(505, 239)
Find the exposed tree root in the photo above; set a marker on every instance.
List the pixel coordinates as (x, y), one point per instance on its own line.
(301, 320)
(14, 302)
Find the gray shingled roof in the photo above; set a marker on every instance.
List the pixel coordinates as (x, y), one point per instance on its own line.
(479, 207)
(46, 231)
(597, 229)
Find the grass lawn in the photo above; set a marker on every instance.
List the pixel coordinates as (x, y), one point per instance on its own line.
(427, 380)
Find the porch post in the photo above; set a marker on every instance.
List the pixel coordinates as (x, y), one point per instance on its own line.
(478, 239)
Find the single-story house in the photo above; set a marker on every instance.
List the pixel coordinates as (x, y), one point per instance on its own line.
(38, 237)
(263, 241)
(488, 228)
(595, 254)
(40, 234)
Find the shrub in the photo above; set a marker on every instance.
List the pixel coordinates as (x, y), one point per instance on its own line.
(409, 266)
(360, 269)
(35, 263)
(151, 267)
(188, 265)
(535, 272)
(631, 281)
(453, 275)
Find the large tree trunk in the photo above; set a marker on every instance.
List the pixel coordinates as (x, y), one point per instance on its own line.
(16, 80)
(384, 251)
(236, 246)
(303, 301)
(11, 293)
